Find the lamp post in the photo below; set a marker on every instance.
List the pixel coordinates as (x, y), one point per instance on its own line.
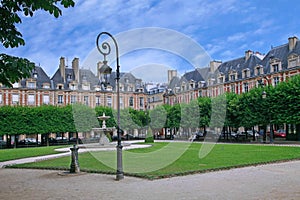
(264, 96)
(105, 50)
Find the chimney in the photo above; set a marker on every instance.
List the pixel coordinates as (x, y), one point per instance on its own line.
(171, 74)
(214, 65)
(75, 66)
(248, 54)
(292, 42)
(62, 68)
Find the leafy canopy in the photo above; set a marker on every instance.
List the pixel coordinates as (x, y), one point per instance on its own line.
(12, 69)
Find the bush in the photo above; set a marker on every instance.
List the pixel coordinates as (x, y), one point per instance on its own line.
(149, 137)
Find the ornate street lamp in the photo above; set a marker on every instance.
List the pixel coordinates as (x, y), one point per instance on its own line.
(106, 71)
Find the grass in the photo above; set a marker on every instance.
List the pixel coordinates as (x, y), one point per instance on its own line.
(13, 154)
(157, 161)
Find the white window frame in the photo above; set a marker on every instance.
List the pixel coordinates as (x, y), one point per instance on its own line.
(31, 99)
(15, 99)
(60, 99)
(46, 99)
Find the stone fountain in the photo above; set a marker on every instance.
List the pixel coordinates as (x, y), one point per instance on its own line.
(103, 140)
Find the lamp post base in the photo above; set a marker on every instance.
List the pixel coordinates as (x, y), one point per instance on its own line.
(120, 174)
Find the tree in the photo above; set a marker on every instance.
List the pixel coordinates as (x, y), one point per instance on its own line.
(12, 69)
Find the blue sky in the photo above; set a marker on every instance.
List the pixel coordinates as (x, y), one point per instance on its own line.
(225, 29)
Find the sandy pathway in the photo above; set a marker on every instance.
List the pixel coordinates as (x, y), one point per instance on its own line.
(274, 181)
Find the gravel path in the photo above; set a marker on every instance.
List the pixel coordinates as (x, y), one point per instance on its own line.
(273, 181)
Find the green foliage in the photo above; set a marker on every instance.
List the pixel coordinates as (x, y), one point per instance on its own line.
(111, 122)
(85, 118)
(218, 111)
(158, 118)
(149, 137)
(12, 69)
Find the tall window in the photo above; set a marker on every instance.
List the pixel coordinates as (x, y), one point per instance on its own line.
(109, 103)
(200, 93)
(60, 99)
(131, 101)
(232, 77)
(232, 88)
(275, 68)
(98, 101)
(15, 99)
(258, 71)
(46, 99)
(73, 99)
(276, 80)
(31, 99)
(246, 88)
(86, 100)
(121, 103)
(141, 102)
(0, 98)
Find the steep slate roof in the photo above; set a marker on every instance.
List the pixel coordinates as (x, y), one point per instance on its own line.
(42, 77)
(126, 78)
(239, 65)
(174, 82)
(281, 52)
(89, 76)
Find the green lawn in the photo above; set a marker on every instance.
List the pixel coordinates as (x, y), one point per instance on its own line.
(173, 159)
(12, 154)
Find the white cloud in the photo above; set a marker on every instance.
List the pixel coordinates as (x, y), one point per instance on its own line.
(225, 27)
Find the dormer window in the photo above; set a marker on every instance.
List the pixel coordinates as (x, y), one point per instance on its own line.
(293, 60)
(221, 78)
(292, 63)
(202, 83)
(275, 65)
(84, 78)
(15, 85)
(85, 86)
(192, 84)
(275, 68)
(258, 70)
(31, 84)
(60, 86)
(73, 86)
(35, 74)
(232, 75)
(246, 73)
(46, 85)
(69, 77)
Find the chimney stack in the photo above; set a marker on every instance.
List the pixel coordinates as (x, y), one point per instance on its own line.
(62, 68)
(248, 54)
(75, 66)
(292, 42)
(171, 74)
(214, 65)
